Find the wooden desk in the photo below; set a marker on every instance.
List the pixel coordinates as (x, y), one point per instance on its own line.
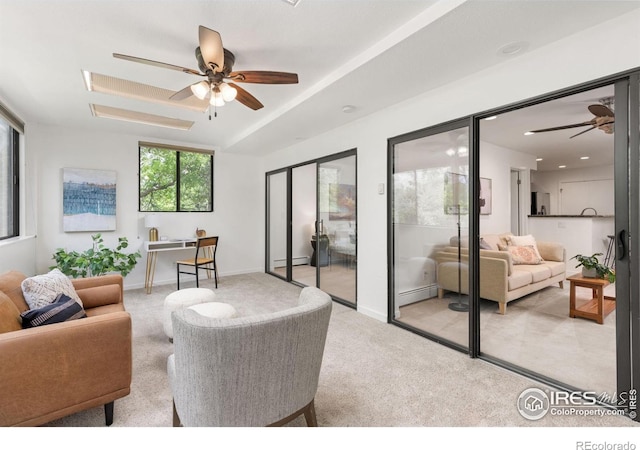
(598, 307)
(154, 247)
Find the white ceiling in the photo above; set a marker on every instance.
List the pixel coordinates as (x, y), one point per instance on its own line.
(370, 54)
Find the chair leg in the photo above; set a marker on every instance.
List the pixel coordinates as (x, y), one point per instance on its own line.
(176, 419)
(310, 415)
(178, 275)
(215, 272)
(197, 277)
(108, 413)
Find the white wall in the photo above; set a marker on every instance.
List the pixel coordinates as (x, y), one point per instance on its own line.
(551, 182)
(238, 215)
(514, 80)
(496, 164)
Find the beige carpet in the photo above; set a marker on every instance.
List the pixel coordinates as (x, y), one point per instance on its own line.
(536, 333)
(373, 374)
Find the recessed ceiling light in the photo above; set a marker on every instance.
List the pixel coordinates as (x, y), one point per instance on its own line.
(561, 167)
(528, 133)
(491, 118)
(513, 48)
(88, 83)
(584, 157)
(348, 109)
(538, 159)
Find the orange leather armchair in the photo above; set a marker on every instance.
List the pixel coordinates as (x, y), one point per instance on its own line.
(52, 371)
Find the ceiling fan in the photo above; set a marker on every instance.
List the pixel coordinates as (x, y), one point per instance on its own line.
(603, 119)
(216, 64)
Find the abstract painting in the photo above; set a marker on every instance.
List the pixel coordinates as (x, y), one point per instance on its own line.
(88, 200)
(342, 202)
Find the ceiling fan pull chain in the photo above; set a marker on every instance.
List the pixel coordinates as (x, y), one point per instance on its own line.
(209, 112)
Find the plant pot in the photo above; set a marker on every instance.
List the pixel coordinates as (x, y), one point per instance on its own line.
(589, 273)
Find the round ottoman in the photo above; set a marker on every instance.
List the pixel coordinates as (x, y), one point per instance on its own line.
(183, 299)
(215, 310)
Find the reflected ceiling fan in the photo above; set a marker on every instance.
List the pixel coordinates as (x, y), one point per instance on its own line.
(216, 64)
(603, 119)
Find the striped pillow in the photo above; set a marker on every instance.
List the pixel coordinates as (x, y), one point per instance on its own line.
(62, 309)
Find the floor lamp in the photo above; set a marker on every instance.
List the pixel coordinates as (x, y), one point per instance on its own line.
(459, 304)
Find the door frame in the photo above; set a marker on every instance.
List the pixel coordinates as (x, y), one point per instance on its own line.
(289, 173)
(627, 155)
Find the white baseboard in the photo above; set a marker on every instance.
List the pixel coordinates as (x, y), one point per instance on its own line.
(372, 313)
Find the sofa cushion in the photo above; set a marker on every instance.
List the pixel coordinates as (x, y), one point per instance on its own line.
(524, 254)
(524, 240)
(63, 308)
(10, 286)
(551, 251)
(538, 272)
(9, 315)
(555, 267)
(519, 278)
(42, 290)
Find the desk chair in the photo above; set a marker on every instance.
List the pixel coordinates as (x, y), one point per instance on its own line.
(205, 259)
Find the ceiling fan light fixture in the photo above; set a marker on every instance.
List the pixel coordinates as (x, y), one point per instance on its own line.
(200, 89)
(229, 93)
(216, 98)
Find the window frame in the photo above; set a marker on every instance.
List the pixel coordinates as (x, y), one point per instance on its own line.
(179, 150)
(13, 181)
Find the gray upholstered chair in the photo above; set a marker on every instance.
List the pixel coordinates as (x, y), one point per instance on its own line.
(248, 371)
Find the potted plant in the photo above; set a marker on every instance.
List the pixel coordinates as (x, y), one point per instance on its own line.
(97, 260)
(592, 268)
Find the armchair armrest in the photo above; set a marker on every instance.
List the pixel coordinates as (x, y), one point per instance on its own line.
(53, 367)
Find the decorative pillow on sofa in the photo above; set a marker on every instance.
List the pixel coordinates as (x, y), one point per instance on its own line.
(525, 240)
(484, 245)
(63, 308)
(524, 254)
(42, 290)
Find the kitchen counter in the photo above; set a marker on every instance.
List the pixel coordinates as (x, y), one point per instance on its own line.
(585, 216)
(584, 235)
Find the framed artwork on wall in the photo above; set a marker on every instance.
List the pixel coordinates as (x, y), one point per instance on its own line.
(88, 200)
(485, 196)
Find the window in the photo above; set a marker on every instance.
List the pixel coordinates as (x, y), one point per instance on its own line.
(9, 192)
(175, 179)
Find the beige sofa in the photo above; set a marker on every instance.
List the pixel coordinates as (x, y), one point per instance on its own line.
(500, 279)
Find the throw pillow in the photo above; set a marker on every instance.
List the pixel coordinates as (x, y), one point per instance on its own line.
(525, 240)
(485, 245)
(63, 308)
(42, 290)
(524, 254)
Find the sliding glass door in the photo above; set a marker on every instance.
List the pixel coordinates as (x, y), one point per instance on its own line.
(429, 191)
(319, 208)
(485, 245)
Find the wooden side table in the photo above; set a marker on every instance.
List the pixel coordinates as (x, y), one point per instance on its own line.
(598, 307)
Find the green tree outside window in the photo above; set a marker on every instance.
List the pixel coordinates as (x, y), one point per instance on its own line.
(175, 180)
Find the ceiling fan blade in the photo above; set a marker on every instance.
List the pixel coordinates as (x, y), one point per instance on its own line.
(211, 48)
(563, 127)
(157, 64)
(600, 110)
(264, 77)
(182, 94)
(582, 132)
(246, 99)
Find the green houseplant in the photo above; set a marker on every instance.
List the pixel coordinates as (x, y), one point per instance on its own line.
(592, 268)
(97, 260)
